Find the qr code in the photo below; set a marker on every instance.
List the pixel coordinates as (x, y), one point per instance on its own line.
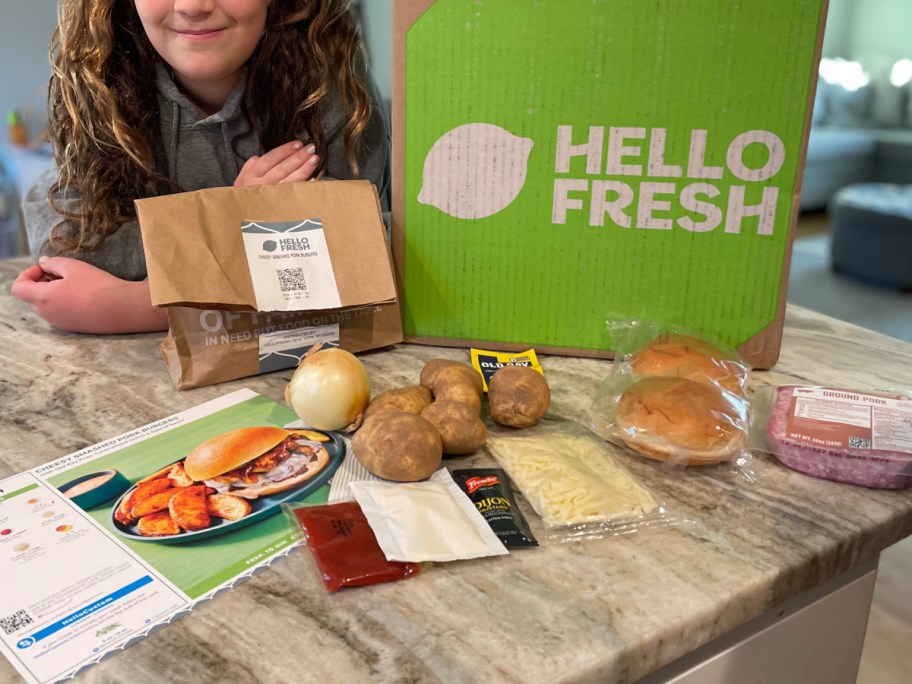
(15, 622)
(292, 280)
(859, 443)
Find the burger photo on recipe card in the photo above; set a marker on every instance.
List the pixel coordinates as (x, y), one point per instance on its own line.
(231, 479)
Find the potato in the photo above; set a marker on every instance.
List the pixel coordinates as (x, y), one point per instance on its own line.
(178, 476)
(429, 373)
(157, 475)
(188, 508)
(518, 396)
(398, 446)
(227, 506)
(456, 383)
(154, 503)
(141, 492)
(460, 428)
(412, 399)
(158, 524)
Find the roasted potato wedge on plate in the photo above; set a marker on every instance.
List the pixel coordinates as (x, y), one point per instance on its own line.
(158, 524)
(227, 506)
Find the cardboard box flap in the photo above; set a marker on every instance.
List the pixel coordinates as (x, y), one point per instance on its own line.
(195, 252)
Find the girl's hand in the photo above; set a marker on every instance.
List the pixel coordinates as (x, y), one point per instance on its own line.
(285, 164)
(73, 295)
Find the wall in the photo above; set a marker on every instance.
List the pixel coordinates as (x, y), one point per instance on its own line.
(377, 24)
(881, 32)
(837, 36)
(25, 29)
(871, 32)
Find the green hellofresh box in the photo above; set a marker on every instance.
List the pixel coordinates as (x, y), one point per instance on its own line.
(560, 162)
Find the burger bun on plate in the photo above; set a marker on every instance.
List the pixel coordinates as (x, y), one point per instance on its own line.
(256, 461)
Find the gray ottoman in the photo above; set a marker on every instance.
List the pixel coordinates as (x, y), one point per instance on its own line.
(871, 225)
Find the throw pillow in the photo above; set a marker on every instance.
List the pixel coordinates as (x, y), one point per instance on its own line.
(848, 107)
(888, 103)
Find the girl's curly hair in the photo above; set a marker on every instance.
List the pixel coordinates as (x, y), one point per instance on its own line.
(104, 112)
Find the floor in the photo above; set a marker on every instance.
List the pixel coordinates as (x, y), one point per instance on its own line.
(887, 657)
(814, 284)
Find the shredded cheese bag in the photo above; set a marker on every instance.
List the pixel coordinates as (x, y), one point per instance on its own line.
(571, 480)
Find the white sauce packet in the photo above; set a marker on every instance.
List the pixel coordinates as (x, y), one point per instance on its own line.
(426, 521)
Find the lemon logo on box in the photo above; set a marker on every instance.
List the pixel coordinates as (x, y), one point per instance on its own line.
(488, 164)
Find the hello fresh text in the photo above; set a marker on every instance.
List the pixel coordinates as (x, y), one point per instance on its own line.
(640, 152)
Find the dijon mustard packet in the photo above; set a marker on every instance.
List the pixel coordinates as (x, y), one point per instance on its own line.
(489, 489)
(489, 362)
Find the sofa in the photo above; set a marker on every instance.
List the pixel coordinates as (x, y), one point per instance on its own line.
(857, 136)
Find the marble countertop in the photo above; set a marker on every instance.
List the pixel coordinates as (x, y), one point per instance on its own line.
(606, 610)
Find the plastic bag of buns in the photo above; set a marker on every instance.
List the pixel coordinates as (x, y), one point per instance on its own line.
(674, 396)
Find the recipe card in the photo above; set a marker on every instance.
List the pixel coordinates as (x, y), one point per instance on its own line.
(77, 590)
(106, 544)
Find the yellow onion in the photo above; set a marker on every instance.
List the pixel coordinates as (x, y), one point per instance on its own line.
(329, 390)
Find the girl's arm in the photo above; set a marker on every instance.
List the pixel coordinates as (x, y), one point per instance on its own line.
(73, 295)
(100, 291)
(121, 252)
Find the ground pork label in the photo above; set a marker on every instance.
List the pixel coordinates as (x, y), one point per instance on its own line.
(829, 417)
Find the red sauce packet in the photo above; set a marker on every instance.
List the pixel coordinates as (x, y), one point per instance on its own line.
(344, 548)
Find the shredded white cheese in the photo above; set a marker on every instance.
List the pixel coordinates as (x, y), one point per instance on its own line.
(571, 480)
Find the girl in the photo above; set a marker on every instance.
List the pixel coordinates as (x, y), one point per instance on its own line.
(149, 97)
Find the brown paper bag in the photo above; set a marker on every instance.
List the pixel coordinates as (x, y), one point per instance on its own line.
(200, 269)
(206, 346)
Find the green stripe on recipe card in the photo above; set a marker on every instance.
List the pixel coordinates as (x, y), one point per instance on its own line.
(279, 545)
(269, 550)
(12, 495)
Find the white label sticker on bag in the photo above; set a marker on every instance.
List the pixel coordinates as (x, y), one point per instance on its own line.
(287, 348)
(290, 265)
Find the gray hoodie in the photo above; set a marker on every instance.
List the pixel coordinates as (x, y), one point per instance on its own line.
(197, 153)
